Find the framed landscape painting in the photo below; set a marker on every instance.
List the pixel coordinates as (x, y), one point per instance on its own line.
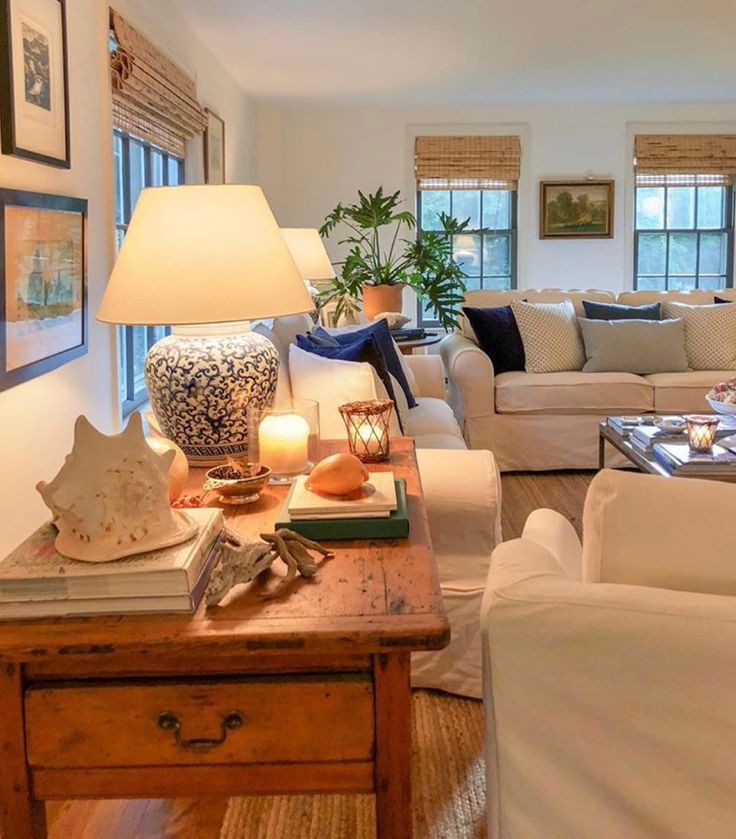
(214, 149)
(43, 288)
(34, 100)
(576, 209)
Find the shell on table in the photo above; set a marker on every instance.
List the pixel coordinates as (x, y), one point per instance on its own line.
(110, 499)
(338, 474)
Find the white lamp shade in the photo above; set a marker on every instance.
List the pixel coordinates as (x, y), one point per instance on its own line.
(309, 253)
(203, 254)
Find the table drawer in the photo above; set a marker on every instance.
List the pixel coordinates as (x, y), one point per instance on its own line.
(253, 720)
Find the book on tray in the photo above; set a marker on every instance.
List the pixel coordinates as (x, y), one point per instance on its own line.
(37, 581)
(377, 511)
(624, 424)
(643, 437)
(679, 459)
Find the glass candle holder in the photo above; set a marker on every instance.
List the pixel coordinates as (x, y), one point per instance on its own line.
(367, 425)
(287, 440)
(701, 432)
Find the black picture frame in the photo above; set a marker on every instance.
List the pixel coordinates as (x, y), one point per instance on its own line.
(39, 201)
(9, 143)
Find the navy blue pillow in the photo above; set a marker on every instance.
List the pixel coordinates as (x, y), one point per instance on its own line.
(718, 299)
(363, 349)
(382, 334)
(616, 311)
(322, 338)
(498, 336)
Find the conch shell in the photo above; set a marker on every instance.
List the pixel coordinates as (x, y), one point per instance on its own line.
(338, 474)
(110, 499)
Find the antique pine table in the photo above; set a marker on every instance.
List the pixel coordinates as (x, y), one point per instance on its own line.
(305, 694)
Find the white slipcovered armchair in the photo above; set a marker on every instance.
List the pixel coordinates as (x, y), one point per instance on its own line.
(610, 667)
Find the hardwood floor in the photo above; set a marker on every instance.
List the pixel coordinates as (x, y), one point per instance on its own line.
(202, 818)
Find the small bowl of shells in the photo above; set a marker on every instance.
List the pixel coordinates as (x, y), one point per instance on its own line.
(236, 482)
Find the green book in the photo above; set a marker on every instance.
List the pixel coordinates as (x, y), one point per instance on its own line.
(396, 526)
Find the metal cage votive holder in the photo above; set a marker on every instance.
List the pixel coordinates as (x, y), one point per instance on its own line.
(367, 424)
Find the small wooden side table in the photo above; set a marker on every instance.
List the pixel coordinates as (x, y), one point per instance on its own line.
(408, 347)
(309, 693)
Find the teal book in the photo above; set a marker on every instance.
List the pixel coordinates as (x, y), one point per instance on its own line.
(396, 526)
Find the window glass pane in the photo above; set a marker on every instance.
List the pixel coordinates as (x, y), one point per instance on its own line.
(176, 172)
(683, 253)
(496, 255)
(714, 283)
(496, 209)
(140, 348)
(652, 253)
(497, 283)
(650, 208)
(712, 253)
(137, 171)
(157, 168)
(118, 164)
(119, 236)
(466, 204)
(466, 250)
(434, 202)
(710, 206)
(651, 283)
(681, 207)
(472, 283)
(123, 369)
(681, 283)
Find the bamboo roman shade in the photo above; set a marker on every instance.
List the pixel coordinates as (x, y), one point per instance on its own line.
(475, 162)
(685, 159)
(152, 97)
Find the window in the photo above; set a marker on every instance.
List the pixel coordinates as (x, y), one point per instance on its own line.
(486, 251)
(137, 164)
(683, 232)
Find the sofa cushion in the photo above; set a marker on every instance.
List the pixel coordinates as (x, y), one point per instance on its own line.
(498, 336)
(617, 311)
(551, 337)
(710, 334)
(573, 392)
(634, 346)
(440, 441)
(684, 393)
(432, 416)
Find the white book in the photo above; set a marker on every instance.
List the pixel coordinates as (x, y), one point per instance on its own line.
(35, 570)
(378, 500)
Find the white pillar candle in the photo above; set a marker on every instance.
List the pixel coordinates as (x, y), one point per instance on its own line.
(283, 443)
(366, 439)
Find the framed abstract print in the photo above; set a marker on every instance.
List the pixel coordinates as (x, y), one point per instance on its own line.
(576, 209)
(214, 149)
(34, 98)
(43, 283)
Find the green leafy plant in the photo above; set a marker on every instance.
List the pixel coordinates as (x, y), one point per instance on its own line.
(380, 255)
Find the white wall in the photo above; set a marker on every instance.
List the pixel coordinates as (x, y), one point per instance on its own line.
(311, 157)
(36, 417)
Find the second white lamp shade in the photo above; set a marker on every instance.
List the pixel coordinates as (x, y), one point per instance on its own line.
(203, 254)
(309, 253)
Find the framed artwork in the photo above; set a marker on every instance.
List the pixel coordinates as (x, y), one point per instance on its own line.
(576, 209)
(34, 97)
(214, 149)
(43, 283)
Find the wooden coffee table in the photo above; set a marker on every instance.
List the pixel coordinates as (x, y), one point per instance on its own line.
(646, 461)
(306, 694)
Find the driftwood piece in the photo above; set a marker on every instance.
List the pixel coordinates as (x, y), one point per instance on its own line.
(242, 562)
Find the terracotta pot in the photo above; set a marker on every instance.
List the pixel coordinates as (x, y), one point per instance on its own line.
(382, 298)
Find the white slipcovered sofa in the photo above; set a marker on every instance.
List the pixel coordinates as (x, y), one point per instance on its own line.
(541, 421)
(610, 668)
(462, 491)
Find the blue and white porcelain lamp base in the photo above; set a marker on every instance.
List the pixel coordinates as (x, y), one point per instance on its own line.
(204, 381)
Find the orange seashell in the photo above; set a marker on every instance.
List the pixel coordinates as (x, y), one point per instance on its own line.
(338, 474)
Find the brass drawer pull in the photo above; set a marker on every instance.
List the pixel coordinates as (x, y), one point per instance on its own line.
(168, 721)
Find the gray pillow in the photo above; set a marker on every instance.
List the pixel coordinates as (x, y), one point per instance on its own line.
(634, 346)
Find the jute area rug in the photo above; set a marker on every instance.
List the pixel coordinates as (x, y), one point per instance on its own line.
(448, 785)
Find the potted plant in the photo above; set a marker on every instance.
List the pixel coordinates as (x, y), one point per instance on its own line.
(381, 262)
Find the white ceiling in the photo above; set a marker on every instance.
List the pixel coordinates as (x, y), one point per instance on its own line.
(474, 51)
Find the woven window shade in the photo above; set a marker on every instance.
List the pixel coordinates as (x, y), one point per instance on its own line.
(685, 159)
(467, 162)
(152, 97)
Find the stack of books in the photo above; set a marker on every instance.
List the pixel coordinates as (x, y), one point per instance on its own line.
(36, 581)
(377, 511)
(679, 461)
(624, 425)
